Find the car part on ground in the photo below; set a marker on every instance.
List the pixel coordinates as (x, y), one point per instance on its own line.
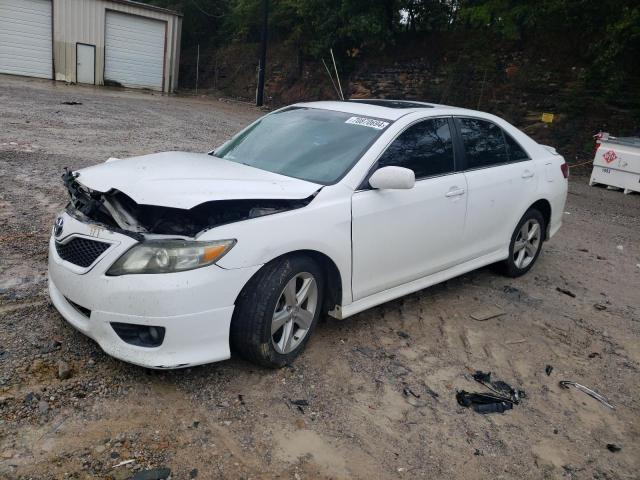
(601, 398)
(502, 398)
(499, 387)
(484, 402)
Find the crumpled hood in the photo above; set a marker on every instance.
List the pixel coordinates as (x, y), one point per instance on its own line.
(184, 180)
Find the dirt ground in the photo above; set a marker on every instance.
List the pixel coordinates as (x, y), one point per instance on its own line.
(233, 420)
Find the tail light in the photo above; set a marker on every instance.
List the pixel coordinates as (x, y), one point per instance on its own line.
(565, 170)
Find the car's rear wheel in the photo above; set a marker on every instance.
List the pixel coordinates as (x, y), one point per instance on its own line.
(277, 311)
(526, 243)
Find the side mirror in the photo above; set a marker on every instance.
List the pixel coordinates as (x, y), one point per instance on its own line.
(393, 178)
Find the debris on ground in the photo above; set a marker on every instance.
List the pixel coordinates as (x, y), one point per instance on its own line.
(153, 474)
(70, 102)
(299, 404)
(612, 447)
(599, 306)
(548, 369)
(487, 313)
(503, 398)
(566, 292)
(484, 402)
(413, 398)
(499, 387)
(601, 398)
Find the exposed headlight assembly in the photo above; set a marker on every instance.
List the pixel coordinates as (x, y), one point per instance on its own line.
(167, 256)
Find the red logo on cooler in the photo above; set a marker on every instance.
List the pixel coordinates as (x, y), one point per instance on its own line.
(610, 156)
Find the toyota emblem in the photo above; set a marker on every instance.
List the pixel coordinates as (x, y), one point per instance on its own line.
(57, 229)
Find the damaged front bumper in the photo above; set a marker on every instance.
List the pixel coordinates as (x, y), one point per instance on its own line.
(192, 308)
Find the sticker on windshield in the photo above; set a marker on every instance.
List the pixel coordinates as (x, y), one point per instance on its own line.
(367, 122)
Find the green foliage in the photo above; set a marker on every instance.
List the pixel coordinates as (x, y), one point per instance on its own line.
(604, 35)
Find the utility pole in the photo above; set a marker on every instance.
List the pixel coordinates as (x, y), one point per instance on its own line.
(263, 54)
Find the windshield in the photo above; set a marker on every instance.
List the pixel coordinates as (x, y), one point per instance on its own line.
(307, 143)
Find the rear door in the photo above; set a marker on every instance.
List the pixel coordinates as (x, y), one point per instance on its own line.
(402, 235)
(501, 180)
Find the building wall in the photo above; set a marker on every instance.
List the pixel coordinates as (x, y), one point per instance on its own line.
(83, 21)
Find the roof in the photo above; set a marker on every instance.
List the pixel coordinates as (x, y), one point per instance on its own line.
(374, 108)
(148, 6)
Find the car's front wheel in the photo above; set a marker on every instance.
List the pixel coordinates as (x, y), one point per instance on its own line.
(278, 310)
(526, 243)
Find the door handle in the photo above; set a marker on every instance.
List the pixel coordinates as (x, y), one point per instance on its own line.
(454, 192)
(527, 174)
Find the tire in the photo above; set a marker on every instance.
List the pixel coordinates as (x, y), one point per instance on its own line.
(523, 255)
(268, 301)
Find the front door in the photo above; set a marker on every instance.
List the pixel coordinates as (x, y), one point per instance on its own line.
(85, 63)
(403, 235)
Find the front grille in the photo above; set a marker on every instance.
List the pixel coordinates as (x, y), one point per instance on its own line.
(81, 251)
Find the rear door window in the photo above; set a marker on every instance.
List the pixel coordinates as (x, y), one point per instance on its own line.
(425, 147)
(483, 141)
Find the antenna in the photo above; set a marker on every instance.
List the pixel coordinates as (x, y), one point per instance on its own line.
(331, 78)
(337, 76)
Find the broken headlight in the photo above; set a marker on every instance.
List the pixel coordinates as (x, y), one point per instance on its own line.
(166, 256)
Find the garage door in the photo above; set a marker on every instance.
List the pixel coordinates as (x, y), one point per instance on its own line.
(134, 51)
(25, 37)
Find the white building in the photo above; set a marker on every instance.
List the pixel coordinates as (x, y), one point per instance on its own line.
(97, 42)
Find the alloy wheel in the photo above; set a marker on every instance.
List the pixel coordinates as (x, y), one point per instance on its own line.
(527, 243)
(294, 313)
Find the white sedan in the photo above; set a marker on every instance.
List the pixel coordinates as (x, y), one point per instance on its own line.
(172, 259)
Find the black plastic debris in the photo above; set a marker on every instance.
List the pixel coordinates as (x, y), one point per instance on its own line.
(484, 402)
(299, 404)
(566, 292)
(499, 387)
(548, 369)
(70, 102)
(612, 447)
(502, 398)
